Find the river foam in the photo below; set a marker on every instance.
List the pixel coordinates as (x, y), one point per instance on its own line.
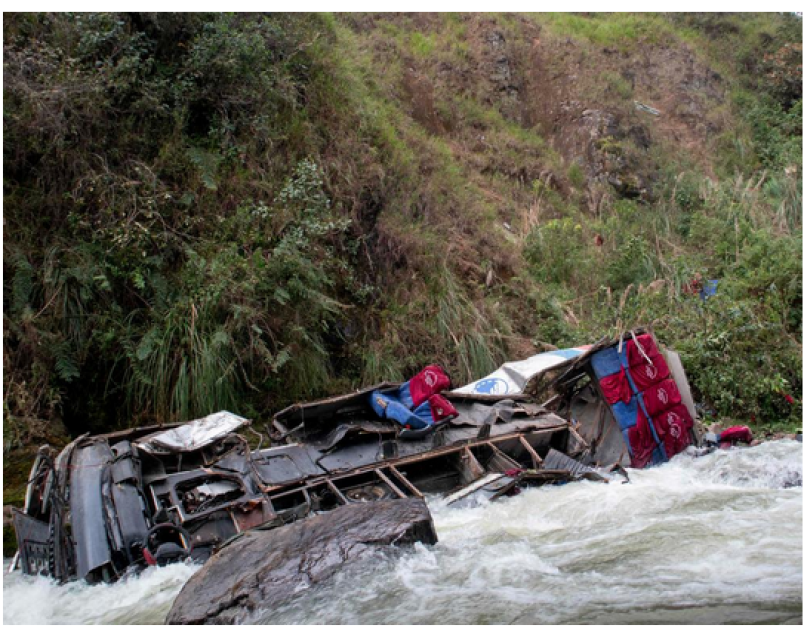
(715, 539)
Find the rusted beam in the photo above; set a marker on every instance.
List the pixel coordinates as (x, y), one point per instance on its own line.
(341, 497)
(537, 459)
(501, 461)
(405, 481)
(470, 468)
(393, 486)
(429, 455)
(488, 441)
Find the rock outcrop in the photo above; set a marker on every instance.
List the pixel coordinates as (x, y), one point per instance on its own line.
(265, 568)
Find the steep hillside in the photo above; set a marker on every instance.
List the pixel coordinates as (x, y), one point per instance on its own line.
(206, 211)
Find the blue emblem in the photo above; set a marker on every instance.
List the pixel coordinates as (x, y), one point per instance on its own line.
(491, 386)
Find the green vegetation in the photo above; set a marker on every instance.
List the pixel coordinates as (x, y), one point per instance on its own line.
(612, 29)
(242, 211)
(741, 347)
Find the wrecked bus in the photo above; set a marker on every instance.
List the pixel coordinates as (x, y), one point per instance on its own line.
(110, 504)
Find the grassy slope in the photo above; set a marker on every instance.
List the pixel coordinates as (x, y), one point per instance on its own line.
(503, 99)
(294, 206)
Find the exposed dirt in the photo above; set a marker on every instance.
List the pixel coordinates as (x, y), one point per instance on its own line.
(580, 97)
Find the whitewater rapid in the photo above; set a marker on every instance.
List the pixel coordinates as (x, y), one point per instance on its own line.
(715, 539)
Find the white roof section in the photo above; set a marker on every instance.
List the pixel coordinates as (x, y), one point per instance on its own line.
(511, 377)
(193, 435)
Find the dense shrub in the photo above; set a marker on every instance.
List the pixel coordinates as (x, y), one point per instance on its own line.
(220, 210)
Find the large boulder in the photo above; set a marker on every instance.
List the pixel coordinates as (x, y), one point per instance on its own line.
(265, 568)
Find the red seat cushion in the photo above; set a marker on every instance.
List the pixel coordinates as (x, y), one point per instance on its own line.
(616, 388)
(430, 381)
(736, 434)
(642, 443)
(649, 348)
(673, 428)
(660, 397)
(646, 374)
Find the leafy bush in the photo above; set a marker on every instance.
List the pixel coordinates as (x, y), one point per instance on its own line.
(228, 329)
(632, 263)
(267, 222)
(556, 251)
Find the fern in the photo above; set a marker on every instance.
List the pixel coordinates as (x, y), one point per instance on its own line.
(65, 365)
(22, 283)
(147, 344)
(207, 163)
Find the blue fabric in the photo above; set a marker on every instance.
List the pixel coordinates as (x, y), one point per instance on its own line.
(627, 442)
(424, 413)
(399, 413)
(373, 400)
(396, 411)
(404, 397)
(606, 362)
(641, 403)
(625, 413)
(658, 455)
(709, 289)
(631, 383)
(400, 394)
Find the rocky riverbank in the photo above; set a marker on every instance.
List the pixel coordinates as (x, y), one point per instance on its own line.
(267, 568)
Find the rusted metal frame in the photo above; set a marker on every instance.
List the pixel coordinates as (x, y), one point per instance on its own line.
(505, 459)
(567, 385)
(470, 464)
(436, 453)
(299, 488)
(398, 475)
(537, 459)
(341, 497)
(549, 403)
(393, 486)
(279, 429)
(487, 441)
(575, 433)
(174, 507)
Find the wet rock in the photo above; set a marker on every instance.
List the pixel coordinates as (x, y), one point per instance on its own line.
(265, 568)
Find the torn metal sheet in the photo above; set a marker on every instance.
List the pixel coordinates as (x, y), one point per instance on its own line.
(680, 377)
(304, 419)
(555, 460)
(598, 427)
(93, 553)
(512, 377)
(488, 487)
(193, 435)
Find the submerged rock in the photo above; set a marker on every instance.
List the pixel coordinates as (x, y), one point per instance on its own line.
(265, 568)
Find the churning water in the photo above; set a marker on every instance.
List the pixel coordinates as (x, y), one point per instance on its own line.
(716, 539)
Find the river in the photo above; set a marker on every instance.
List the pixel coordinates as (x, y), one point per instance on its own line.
(715, 539)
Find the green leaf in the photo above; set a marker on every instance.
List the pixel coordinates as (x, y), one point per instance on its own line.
(207, 163)
(147, 344)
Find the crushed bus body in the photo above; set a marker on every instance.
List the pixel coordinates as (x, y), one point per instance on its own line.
(110, 504)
